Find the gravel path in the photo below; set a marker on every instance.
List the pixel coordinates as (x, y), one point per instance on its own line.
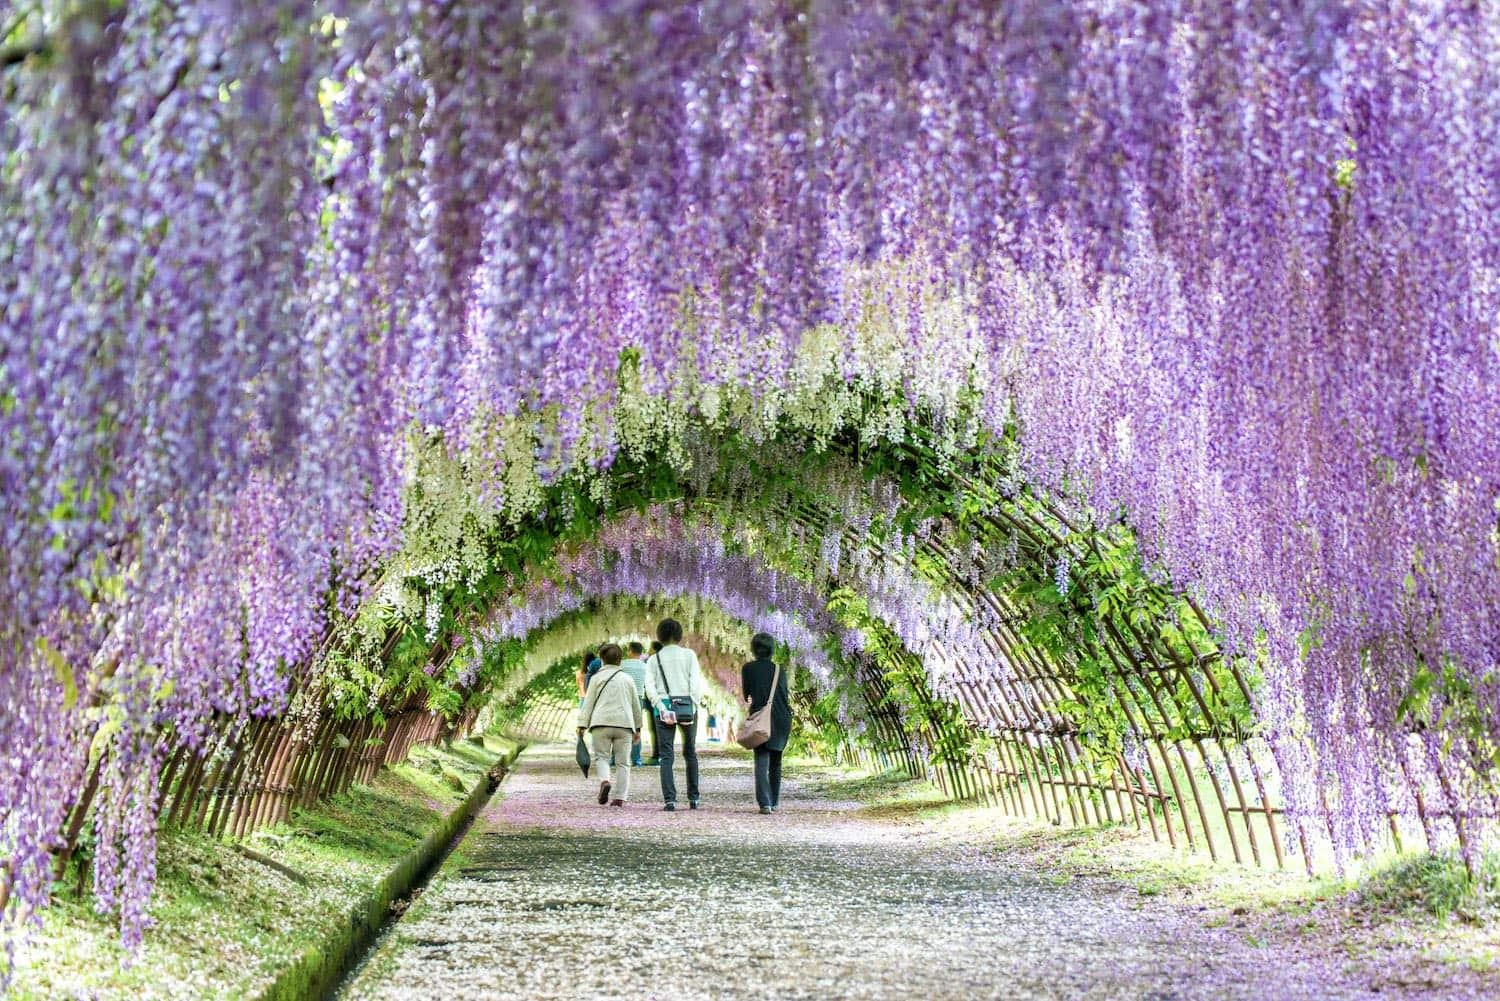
(553, 896)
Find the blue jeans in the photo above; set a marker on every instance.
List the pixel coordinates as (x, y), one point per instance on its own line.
(635, 753)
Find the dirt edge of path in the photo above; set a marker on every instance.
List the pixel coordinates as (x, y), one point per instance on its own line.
(320, 970)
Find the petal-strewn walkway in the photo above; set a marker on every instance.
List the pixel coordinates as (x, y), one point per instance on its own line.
(553, 896)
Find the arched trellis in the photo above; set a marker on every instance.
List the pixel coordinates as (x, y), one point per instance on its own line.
(1189, 776)
(1038, 766)
(1210, 769)
(539, 700)
(1039, 747)
(532, 699)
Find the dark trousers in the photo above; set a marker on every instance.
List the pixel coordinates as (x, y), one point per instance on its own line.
(650, 726)
(767, 777)
(665, 738)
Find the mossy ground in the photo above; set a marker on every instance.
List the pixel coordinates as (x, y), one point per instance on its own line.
(224, 925)
(1427, 904)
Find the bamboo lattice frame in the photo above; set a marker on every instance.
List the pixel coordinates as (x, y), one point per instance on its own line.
(1198, 783)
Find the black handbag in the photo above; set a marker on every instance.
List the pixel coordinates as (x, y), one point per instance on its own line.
(582, 756)
(680, 705)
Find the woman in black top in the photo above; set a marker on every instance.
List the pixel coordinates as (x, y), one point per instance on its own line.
(756, 678)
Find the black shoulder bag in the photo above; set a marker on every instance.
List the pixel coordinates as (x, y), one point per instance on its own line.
(681, 705)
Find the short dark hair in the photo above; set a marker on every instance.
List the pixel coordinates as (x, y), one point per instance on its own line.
(635, 648)
(655, 645)
(669, 631)
(611, 654)
(763, 645)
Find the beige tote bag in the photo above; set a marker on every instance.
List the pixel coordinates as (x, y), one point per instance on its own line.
(756, 729)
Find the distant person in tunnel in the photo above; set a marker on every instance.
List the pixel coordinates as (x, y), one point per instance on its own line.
(674, 684)
(651, 708)
(611, 715)
(756, 678)
(586, 671)
(635, 666)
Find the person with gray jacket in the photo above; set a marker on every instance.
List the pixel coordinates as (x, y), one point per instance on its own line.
(611, 714)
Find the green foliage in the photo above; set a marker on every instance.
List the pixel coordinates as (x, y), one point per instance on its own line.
(1436, 884)
(929, 721)
(1343, 173)
(1446, 699)
(559, 683)
(820, 732)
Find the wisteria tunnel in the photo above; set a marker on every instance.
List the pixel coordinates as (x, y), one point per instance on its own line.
(1097, 402)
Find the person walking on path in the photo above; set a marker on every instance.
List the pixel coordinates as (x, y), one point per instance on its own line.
(611, 715)
(585, 672)
(673, 673)
(582, 674)
(636, 668)
(756, 678)
(653, 759)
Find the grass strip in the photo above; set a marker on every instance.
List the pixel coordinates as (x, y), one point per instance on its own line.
(228, 925)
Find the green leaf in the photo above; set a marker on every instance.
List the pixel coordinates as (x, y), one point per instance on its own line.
(61, 671)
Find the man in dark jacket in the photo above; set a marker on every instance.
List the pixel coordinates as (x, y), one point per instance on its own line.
(755, 678)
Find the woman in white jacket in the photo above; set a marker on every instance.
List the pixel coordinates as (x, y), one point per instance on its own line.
(611, 713)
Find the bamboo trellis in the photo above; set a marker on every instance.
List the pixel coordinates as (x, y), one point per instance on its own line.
(256, 775)
(1192, 779)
